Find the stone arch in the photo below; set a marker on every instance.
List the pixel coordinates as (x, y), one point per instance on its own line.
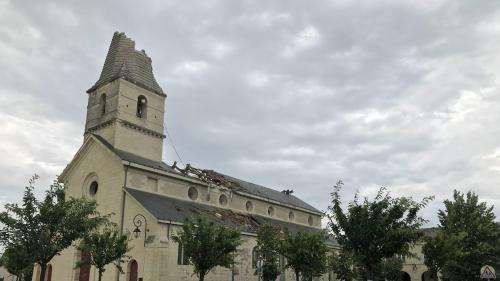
(89, 179)
(83, 272)
(48, 273)
(133, 271)
(428, 276)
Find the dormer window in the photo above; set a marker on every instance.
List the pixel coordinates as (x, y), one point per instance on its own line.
(141, 106)
(103, 104)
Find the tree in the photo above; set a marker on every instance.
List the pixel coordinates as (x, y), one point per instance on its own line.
(343, 265)
(467, 238)
(207, 245)
(44, 228)
(389, 270)
(18, 262)
(375, 230)
(104, 247)
(306, 254)
(268, 251)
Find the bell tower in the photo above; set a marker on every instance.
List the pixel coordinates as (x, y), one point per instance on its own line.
(126, 105)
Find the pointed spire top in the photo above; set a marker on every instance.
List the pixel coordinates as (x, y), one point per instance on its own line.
(124, 61)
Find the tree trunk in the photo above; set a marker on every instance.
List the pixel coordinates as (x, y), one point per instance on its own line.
(100, 275)
(369, 273)
(297, 276)
(202, 276)
(43, 269)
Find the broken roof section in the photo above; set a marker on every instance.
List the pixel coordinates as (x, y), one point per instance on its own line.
(235, 184)
(124, 61)
(169, 209)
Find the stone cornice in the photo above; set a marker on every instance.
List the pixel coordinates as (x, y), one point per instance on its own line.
(142, 129)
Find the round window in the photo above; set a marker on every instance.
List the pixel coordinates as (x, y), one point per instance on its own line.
(193, 193)
(94, 186)
(270, 211)
(291, 216)
(249, 206)
(223, 200)
(310, 220)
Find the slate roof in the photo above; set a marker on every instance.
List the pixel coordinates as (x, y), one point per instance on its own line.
(236, 184)
(170, 209)
(124, 61)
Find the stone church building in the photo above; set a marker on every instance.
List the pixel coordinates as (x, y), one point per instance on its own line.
(120, 166)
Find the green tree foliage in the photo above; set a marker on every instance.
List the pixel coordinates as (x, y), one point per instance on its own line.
(389, 270)
(467, 239)
(343, 265)
(104, 247)
(207, 245)
(268, 249)
(306, 254)
(375, 230)
(17, 261)
(44, 228)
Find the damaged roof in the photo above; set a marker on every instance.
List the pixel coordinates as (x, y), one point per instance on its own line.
(236, 185)
(124, 61)
(166, 208)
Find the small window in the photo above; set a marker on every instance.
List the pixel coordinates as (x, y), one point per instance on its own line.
(249, 206)
(193, 193)
(103, 104)
(223, 200)
(94, 186)
(141, 106)
(291, 216)
(270, 211)
(310, 220)
(181, 256)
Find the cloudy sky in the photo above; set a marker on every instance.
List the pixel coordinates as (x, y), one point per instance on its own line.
(288, 94)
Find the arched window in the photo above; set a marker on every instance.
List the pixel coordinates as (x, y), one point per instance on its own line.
(291, 216)
(310, 220)
(249, 206)
(270, 211)
(133, 269)
(255, 257)
(84, 273)
(181, 256)
(93, 188)
(223, 200)
(142, 103)
(103, 104)
(48, 273)
(193, 193)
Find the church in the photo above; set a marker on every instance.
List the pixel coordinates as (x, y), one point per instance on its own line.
(120, 166)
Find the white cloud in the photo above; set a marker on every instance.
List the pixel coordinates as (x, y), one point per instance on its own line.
(221, 50)
(257, 78)
(305, 39)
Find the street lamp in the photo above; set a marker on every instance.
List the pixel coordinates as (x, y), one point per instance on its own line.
(138, 221)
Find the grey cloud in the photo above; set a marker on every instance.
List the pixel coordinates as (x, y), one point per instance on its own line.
(401, 94)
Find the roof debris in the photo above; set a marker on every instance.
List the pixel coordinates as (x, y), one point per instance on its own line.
(207, 176)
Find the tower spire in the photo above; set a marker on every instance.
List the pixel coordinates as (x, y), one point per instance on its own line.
(124, 61)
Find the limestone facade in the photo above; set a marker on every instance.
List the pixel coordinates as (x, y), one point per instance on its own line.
(120, 166)
(122, 156)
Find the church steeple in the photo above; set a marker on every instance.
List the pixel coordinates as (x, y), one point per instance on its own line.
(126, 104)
(124, 61)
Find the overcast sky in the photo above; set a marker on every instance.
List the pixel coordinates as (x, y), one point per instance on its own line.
(288, 94)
